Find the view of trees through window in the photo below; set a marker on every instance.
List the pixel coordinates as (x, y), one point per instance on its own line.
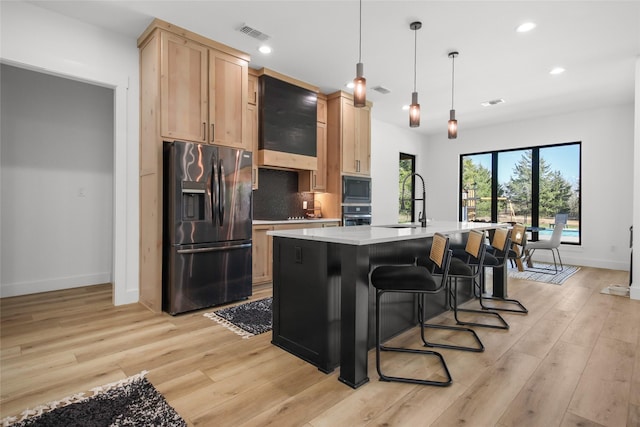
(529, 186)
(407, 167)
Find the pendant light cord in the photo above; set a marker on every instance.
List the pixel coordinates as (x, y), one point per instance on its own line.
(453, 68)
(415, 57)
(360, 37)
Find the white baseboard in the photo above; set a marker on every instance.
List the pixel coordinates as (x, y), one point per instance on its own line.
(56, 284)
(568, 259)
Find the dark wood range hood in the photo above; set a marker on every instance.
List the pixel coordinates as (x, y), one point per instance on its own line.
(287, 122)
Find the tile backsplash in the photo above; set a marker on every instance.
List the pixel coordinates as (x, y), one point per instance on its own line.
(277, 196)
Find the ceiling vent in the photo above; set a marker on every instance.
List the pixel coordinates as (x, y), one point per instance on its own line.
(252, 32)
(381, 89)
(492, 102)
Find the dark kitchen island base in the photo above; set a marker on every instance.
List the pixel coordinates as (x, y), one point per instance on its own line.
(307, 311)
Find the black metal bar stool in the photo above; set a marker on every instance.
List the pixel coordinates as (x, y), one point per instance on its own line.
(471, 268)
(497, 256)
(417, 280)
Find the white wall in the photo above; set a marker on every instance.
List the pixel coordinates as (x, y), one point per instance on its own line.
(607, 136)
(57, 183)
(387, 142)
(635, 288)
(37, 39)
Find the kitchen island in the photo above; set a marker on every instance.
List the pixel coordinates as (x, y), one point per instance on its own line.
(322, 299)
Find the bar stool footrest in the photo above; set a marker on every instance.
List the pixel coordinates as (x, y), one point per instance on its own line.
(387, 378)
(503, 325)
(521, 308)
(478, 349)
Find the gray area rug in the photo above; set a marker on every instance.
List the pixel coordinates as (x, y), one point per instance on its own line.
(537, 275)
(248, 319)
(131, 402)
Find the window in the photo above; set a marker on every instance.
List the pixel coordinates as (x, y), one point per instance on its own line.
(529, 186)
(406, 205)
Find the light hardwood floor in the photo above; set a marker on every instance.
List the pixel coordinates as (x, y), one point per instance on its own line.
(572, 361)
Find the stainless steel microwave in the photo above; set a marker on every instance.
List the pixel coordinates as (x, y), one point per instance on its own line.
(356, 189)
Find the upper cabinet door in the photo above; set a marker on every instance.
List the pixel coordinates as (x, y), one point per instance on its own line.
(183, 89)
(319, 177)
(228, 90)
(349, 138)
(356, 139)
(363, 135)
(252, 95)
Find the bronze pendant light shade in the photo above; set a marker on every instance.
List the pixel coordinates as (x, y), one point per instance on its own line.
(360, 83)
(452, 131)
(414, 108)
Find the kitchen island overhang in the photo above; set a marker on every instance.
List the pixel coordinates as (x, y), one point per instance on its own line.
(323, 299)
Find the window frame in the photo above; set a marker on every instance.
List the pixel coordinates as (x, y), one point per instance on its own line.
(535, 185)
(412, 157)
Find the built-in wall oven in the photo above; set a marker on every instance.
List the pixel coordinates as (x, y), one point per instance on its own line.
(356, 215)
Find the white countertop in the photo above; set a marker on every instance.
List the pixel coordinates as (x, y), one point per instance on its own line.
(371, 234)
(293, 221)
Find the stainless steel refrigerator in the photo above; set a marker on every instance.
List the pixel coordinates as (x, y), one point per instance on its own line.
(207, 226)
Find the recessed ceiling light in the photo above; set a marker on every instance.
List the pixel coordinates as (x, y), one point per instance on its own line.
(405, 107)
(557, 70)
(265, 49)
(525, 27)
(492, 102)
(349, 85)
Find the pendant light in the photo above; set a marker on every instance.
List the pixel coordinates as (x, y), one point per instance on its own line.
(414, 108)
(453, 123)
(360, 83)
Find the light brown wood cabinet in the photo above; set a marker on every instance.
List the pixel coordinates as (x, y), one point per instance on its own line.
(262, 249)
(252, 124)
(228, 100)
(348, 148)
(203, 93)
(316, 180)
(322, 108)
(183, 88)
(350, 130)
(252, 95)
(193, 89)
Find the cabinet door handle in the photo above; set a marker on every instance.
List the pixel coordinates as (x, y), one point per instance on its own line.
(314, 181)
(357, 165)
(212, 132)
(204, 131)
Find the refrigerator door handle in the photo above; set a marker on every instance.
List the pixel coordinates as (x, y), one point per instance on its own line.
(223, 193)
(215, 194)
(215, 249)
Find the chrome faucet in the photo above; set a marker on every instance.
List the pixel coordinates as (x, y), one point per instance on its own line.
(422, 216)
